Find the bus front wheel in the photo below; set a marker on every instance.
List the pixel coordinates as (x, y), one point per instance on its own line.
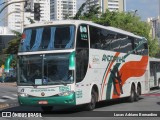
(90, 106)
(47, 108)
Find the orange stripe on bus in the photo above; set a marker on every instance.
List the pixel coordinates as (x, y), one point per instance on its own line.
(132, 69)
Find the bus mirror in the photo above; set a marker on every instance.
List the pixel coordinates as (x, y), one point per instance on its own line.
(72, 61)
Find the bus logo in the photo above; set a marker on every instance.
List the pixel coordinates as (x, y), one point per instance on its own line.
(112, 58)
(96, 59)
(43, 94)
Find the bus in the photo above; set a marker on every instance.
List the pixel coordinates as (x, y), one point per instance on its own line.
(154, 80)
(74, 62)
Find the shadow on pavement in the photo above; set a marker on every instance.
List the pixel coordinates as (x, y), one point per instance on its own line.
(158, 103)
(67, 111)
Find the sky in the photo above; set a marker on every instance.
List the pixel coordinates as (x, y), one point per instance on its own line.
(145, 8)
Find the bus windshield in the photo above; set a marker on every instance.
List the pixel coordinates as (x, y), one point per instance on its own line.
(47, 38)
(44, 69)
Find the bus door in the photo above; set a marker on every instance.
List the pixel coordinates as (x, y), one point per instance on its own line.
(82, 58)
(154, 70)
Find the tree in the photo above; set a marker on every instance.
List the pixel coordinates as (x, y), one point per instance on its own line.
(31, 20)
(125, 21)
(130, 23)
(154, 49)
(92, 14)
(13, 44)
(79, 12)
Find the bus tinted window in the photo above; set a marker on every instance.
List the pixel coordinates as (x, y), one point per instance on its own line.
(141, 47)
(108, 40)
(125, 44)
(95, 39)
(48, 38)
(82, 53)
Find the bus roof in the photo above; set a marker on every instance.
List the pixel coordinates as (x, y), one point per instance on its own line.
(154, 59)
(77, 22)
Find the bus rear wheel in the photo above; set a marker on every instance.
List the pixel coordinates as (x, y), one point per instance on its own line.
(90, 106)
(47, 108)
(132, 94)
(159, 83)
(138, 93)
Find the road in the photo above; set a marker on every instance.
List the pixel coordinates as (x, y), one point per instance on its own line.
(148, 102)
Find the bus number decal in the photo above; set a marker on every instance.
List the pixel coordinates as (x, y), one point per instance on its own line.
(84, 34)
(79, 94)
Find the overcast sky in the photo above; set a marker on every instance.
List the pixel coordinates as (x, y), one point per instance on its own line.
(145, 8)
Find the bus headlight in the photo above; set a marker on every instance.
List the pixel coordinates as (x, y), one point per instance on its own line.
(66, 93)
(22, 94)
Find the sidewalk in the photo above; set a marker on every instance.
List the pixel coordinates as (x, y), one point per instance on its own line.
(4, 105)
(9, 84)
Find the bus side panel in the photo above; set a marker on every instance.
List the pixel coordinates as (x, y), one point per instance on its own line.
(109, 71)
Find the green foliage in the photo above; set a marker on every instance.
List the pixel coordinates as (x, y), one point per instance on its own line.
(153, 47)
(92, 14)
(2, 59)
(30, 20)
(125, 21)
(122, 20)
(79, 12)
(13, 44)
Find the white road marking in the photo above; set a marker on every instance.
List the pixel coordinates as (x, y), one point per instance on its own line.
(154, 91)
(9, 97)
(1, 100)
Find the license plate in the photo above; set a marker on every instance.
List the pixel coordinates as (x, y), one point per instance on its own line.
(43, 102)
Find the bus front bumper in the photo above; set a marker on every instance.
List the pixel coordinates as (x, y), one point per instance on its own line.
(53, 100)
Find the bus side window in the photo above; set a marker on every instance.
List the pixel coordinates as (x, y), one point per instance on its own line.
(145, 49)
(136, 47)
(95, 37)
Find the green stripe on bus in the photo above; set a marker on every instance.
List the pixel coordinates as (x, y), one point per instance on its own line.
(54, 100)
(109, 84)
(110, 81)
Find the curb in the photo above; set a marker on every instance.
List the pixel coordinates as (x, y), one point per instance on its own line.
(9, 84)
(4, 105)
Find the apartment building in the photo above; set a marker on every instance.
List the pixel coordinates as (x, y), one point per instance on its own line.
(62, 9)
(15, 18)
(112, 5)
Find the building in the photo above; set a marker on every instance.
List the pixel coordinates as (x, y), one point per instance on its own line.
(15, 17)
(155, 25)
(11, 16)
(111, 5)
(5, 36)
(62, 9)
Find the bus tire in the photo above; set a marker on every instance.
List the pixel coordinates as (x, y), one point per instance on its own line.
(132, 94)
(159, 83)
(90, 106)
(47, 108)
(138, 93)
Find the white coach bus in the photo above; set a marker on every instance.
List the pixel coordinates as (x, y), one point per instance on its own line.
(80, 62)
(154, 80)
